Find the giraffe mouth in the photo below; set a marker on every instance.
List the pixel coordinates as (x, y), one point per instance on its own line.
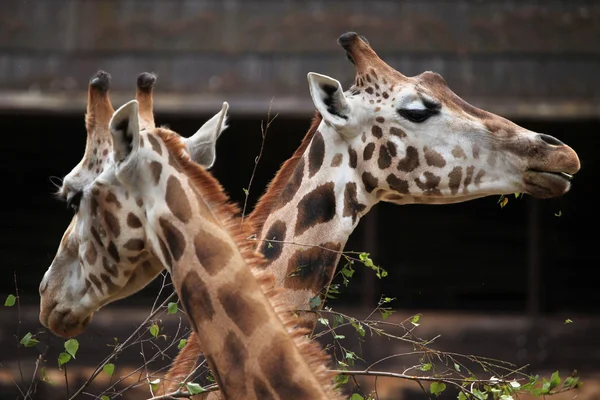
(563, 175)
(547, 184)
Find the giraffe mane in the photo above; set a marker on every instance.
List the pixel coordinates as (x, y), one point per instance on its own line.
(229, 214)
(265, 204)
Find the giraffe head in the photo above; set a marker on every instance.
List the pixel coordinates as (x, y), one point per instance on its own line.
(106, 253)
(415, 141)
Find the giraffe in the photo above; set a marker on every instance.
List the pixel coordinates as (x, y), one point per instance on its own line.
(150, 207)
(392, 138)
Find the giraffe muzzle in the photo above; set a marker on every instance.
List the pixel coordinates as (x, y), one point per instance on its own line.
(64, 322)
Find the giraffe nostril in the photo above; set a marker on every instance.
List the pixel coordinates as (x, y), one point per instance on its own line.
(551, 140)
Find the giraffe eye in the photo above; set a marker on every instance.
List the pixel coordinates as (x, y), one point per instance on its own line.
(73, 201)
(416, 115)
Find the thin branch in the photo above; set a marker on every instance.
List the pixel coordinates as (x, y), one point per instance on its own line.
(263, 132)
(18, 326)
(120, 347)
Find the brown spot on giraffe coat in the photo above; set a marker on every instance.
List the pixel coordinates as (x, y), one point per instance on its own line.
(397, 132)
(291, 188)
(133, 221)
(430, 186)
(246, 312)
(458, 152)
(455, 178)
(397, 184)
(411, 161)
(376, 131)
(352, 208)
(312, 267)
(156, 170)
(112, 222)
(110, 267)
(177, 200)
(234, 361)
(155, 144)
(114, 253)
(272, 250)
(196, 299)
(316, 207)
(277, 368)
(369, 181)
(433, 158)
(91, 253)
(385, 158)
(134, 245)
(368, 151)
(336, 161)
(212, 252)
(316, 154)
(174, 237)
(353, 159)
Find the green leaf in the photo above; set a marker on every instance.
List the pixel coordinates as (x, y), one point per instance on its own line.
(109, 369)
(154, 330)
(462, 396)
(558, 214)
(437, 387)
(545, 386)
(415, 320)
(323, 321)
(182, 344)
(426, 367)
(385, 312)
(479, 394)
(194, 388)
(568, 321)
(506, 397)
(457, 367)
(554, 380)
(341, 379)
(315, 302)
(172, 308)
(104, 397)
(245, 191)
(359, 328)
(29, 340)
(10, 301)
(72, 345)
(337, 320)
(63, 358)
(269, 245)
(338, 337)
(571, 382)
(357, 396)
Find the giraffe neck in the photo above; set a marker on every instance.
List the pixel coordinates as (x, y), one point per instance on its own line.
(309, 225)
(246, 343)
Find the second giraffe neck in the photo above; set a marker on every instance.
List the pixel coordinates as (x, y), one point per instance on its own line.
(317, 211)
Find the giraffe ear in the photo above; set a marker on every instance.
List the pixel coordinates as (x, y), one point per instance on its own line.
(329, 98)
(125, 130)
(202, 145)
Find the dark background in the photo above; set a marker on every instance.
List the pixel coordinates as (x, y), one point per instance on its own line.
(493, 281)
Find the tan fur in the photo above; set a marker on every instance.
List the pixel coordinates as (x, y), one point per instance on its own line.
(228, 214)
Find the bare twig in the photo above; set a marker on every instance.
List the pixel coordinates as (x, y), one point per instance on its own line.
(18, 326)
(263, 132)
(120, 347)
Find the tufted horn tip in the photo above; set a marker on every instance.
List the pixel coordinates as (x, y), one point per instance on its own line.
(146, 81)
(101, 81)
(347, 39)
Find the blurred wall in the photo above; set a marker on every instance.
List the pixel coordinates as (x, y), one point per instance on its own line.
(515, 57)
